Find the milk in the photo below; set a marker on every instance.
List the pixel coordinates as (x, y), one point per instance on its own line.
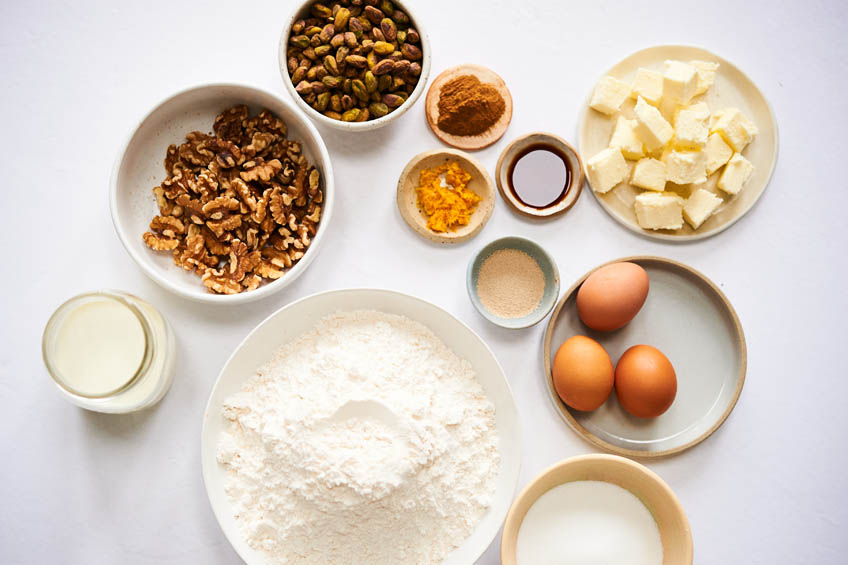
(99, 347)
(588, 523)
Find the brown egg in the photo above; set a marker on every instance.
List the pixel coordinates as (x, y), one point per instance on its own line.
(645, 382)
(611, 296)
(583, 373)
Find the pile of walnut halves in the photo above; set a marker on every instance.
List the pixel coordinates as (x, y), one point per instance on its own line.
(237, 207)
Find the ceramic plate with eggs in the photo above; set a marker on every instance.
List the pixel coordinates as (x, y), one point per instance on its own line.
(644, 356)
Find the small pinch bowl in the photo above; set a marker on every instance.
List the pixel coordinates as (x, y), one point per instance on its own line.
(138, 168)
(575, 163)
(481, 184)
(647, 486)
(546, 263)
(301, 9)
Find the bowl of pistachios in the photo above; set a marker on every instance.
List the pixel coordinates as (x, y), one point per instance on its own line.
(354, 65)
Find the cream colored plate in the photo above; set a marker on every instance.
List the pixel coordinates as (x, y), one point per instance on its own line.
(689, 319)
(290, 321)
(481, 184)
(732, 88)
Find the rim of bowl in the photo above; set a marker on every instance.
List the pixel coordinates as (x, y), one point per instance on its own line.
(201, 294)
(608, 459)
(354, 126)
(505, 322)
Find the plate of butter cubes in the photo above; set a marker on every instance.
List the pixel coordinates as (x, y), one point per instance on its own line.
(678, 142)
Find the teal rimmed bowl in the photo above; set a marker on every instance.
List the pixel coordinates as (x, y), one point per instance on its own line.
(546, 263)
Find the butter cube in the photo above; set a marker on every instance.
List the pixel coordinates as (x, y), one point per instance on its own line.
(649, 85)
(680, 81)
(718, 152)
(706, 75)
(609, 94)
(690, 129)
(699, 206)
(606, 169)
(659, 210)
(684, 167)
(651, 127)
(736, 173)
(701, 110)
(649, 174)
(736, 129)
(625, 139)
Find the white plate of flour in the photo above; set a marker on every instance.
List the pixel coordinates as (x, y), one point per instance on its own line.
(382, 410)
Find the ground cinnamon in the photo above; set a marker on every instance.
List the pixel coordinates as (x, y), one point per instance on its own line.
(468, 106)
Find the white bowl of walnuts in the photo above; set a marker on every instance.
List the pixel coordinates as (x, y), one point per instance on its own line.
(354, 65)
(223, 193)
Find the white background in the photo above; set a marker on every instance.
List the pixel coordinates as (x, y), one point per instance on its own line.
(78, 487)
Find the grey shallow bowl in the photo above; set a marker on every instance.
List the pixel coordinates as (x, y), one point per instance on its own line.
(546, 263)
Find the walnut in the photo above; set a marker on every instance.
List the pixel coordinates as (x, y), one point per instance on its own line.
(159, 242)
(259, 142)
(258, 169)
(194, 150)
(228, 125)
(238, 207)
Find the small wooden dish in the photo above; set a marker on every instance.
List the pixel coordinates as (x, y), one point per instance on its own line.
(689, 319)
(647, 486)
(469, 142)
(575, 164)
(481, 184)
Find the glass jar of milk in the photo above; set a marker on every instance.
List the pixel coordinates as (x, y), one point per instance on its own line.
(109, 351)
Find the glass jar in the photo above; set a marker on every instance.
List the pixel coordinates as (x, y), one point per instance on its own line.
(109, 351)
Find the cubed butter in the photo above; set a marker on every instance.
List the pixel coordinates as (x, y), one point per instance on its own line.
(684, 167)
(680, 81)
(649, 174)
(607, 169)
(624, 137)
(649, 85)
(690, 129)
(609, 94)
(718, 153)
(706, 75)
(659, 210)
(700, 109)
(651, 127)
(699, 206)
(736, 173)
(736, 129)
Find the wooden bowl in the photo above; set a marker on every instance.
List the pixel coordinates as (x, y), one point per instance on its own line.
(646, 485)
(469, 142)
(574, 163)
(481, 184)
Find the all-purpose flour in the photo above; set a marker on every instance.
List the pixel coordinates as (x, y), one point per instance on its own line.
(366, 440)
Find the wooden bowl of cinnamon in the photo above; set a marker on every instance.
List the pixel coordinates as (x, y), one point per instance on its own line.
(468, 107)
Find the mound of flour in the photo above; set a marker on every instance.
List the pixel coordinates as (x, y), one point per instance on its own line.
(366, 440)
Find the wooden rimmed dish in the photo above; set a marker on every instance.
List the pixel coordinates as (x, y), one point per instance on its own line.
(468, 142)
(513, 152)
(647, 486)
(481, 184)
(689, 319)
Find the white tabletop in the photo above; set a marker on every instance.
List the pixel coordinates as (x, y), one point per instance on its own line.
(80, 487)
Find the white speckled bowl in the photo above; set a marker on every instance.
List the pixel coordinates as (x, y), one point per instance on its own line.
(139, 168)
(320, 118)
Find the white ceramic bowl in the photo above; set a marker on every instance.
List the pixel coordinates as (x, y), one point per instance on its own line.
(294, 319)
(299, 11)
(139, 168)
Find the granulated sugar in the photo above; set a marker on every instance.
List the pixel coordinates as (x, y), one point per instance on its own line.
(366, 440)
(510, 284)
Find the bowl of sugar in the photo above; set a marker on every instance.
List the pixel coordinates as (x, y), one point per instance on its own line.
(597, 508)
